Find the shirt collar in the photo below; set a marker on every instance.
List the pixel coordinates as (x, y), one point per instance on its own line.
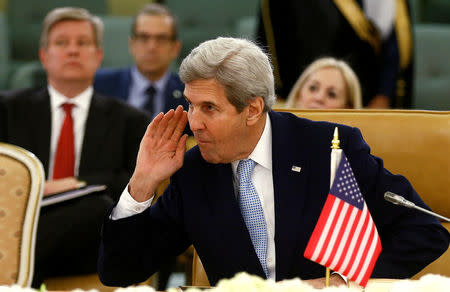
(142, 83)
(81, 101)
(262, 154)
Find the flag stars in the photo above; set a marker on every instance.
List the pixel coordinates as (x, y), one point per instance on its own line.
(346, 186)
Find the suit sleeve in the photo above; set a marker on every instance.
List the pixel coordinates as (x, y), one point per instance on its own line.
(133, 248)
(410, 239)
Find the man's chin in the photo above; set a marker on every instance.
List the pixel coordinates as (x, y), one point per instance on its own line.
(208, 157)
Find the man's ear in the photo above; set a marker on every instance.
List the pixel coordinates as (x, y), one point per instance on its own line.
(43, 57)
(255, 110)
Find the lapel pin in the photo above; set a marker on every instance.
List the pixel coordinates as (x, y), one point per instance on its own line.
(296, 168)
(176, 93)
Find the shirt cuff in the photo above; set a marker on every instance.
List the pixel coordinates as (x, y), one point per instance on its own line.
(342, 277)
(128, 206)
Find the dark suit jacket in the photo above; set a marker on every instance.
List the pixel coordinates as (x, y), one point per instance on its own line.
(117, 82)
(199, 207)
(68, 233)
(111, 140)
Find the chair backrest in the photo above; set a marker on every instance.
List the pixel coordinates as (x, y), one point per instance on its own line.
(217, 18)
(25, 22)
(115, 41)
(4, 52)
(199, 277)
(432, 72)
(28, 74)
(412, 143)
(21, 187)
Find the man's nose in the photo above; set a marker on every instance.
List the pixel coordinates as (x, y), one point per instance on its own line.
(73, 48)
(195, 121)
(319, 96)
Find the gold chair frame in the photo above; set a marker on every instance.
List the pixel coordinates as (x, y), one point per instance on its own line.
(21, 261)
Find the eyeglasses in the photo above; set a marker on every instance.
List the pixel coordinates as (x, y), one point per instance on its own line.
(159, 39)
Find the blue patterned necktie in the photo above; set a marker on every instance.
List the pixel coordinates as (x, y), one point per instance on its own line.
(252, 211)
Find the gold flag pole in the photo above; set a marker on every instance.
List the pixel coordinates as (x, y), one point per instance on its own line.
(334, 145)
(335, 142)
(327, 277)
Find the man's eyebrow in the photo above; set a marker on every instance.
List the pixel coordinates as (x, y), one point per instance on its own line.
(203, 102)
(187, 99)
(209, 103)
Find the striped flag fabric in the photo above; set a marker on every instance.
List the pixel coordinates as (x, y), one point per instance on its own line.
(345, 238)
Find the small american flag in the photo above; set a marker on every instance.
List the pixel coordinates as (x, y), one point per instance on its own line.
(345, 238)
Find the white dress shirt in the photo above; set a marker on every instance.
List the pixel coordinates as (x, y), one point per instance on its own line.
(262, 179)
(79, 115)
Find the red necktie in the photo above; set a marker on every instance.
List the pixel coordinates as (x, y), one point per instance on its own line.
(65, 152)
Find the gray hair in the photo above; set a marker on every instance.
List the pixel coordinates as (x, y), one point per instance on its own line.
(353, 98)
(239, 65)
(71, 13)
(156, 9)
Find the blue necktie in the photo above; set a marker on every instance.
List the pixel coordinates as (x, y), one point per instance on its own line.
(148, 106)
(252, 211)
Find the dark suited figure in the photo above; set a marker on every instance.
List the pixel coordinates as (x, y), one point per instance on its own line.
(153, 45)
(230, 89)
(101, 142)
(376, 43)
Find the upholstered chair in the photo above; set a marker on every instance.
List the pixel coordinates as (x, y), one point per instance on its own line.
(21, 187)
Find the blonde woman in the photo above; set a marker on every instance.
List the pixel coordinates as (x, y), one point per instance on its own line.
(327, 83)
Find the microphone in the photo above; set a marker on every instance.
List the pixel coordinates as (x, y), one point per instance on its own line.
(399, 200)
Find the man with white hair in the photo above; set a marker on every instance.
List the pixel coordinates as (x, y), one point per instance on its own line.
(249, 160)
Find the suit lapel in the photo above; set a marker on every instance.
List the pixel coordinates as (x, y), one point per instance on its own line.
(39, 113)
(95, 130)
(220, 192)
(290, 176)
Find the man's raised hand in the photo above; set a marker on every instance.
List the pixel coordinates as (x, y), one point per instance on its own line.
(160, 154)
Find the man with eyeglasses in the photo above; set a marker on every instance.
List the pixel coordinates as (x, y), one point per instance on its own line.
(149, 85)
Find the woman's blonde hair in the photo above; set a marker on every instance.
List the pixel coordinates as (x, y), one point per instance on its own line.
(354, 99)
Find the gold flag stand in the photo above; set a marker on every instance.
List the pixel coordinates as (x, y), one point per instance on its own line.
(335, 142)
(334, 145)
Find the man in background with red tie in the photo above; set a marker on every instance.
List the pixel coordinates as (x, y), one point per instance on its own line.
(80, 137)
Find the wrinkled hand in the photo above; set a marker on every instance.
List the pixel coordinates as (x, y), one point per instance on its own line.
(160, 154)
(61, 185)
